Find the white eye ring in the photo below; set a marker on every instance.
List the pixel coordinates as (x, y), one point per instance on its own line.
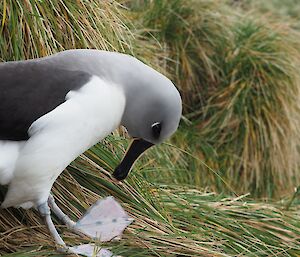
(156, 129)
(154, 124)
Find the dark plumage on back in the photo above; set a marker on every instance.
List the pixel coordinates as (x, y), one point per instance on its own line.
(30, 89)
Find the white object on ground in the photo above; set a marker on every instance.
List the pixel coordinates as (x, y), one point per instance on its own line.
(104, 220)
(91, 250)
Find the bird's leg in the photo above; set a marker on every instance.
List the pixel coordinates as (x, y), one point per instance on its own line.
(44, 210)
(60, 214)
(104, 221)
(63, 217)
(85, 250)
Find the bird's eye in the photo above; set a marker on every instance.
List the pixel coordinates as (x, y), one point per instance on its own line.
(156, 128)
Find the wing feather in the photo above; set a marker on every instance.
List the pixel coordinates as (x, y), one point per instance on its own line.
(29, 90)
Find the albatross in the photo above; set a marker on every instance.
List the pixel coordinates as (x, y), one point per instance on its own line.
(52, 109)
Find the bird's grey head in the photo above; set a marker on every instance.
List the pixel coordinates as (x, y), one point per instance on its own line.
(153, 111)
(152, 114)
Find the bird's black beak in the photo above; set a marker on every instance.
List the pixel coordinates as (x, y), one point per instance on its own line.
(134, 151)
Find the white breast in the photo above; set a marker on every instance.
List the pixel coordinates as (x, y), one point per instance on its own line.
(60, 136)
(9, 152)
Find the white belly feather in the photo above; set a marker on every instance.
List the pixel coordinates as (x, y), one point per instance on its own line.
(9, 152)
(57, 138)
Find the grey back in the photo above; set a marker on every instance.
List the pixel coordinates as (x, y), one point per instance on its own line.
(28, 91)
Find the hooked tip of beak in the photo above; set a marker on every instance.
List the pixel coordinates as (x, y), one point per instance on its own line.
(119, 173)
(135, 150)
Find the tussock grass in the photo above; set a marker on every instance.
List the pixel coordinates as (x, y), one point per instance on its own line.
(169, 221)
(286, 11)
(189, 32)
(252, 118)
(37, 28)
(239, 74)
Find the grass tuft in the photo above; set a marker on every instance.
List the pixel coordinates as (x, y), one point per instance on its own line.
(169, 221)
(188, 32)
(239, 73)
(251, 120)
(31, 29)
